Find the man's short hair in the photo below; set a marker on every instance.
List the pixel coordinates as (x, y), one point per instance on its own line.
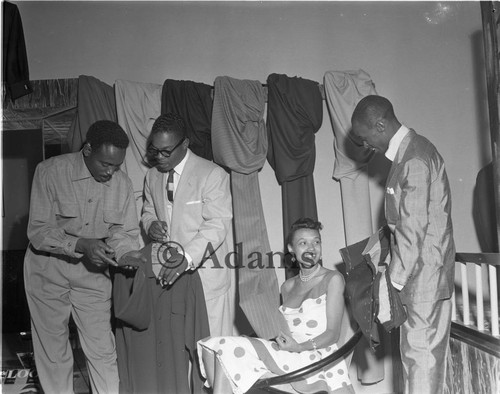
(106, 132)
(371, 108)
(169, 123)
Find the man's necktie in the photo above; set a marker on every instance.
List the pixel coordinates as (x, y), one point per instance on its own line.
(170, 186)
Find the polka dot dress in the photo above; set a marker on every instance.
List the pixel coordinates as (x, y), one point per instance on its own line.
(245, 360)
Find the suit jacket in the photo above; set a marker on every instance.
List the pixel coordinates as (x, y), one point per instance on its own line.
(418, 212)
(157, 330)
(201, 218)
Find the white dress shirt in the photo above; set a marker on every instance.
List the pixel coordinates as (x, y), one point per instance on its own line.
(390, 153)
(170, 205)
(395, 141)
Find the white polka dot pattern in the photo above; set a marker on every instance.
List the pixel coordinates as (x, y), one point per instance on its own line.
(245, 360)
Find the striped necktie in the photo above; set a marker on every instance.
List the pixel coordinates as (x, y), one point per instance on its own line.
(170, 186)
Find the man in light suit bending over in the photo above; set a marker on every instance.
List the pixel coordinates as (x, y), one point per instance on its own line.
(187, 200)
(418, 212)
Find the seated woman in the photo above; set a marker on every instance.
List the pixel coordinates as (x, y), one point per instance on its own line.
(313, 307)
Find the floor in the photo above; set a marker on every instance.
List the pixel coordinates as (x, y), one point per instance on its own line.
(16, 362)
(17, 365)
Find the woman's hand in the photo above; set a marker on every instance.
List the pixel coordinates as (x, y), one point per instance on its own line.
(286, 342)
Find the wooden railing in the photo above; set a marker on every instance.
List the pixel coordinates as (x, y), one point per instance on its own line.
(475, 301)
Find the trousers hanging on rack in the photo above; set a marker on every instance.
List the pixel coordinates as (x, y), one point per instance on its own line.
(239, 143)
(193, 102)
(295, 114)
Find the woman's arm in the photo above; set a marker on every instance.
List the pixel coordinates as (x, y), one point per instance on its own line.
(284, 291)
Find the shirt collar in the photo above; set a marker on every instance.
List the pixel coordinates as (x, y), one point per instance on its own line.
(180, 167)
(395, 142)
(81, 171)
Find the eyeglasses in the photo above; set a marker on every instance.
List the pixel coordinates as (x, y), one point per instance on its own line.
(152, 151)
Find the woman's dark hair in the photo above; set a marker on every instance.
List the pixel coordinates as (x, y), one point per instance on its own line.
(300, 224)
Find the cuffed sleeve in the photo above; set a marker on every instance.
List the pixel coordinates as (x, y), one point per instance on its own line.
(44, 233)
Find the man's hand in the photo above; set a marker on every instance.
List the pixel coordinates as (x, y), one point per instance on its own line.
(158, 231)
(97, 251)
(173, 268)
(132, 260)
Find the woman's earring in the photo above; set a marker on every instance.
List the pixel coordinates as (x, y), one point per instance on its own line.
(293, 258)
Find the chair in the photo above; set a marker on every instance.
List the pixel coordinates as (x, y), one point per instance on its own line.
(362, 282)
(267, 384)
(347, 341)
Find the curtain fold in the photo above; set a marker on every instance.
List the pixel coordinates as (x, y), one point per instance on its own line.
(295, 114)
(96, 101)
(343, 90)
(138, 106)
(239, 143)
(192, 101)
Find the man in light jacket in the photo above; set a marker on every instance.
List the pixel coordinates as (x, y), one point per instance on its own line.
(418, 213)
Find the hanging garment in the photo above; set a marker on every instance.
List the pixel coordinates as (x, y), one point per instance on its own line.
(137, 106)
(240, 143)
(343, 90)
(193, 102)
(483, 209)
(157, 330)
(295, 113)
(96, 101)
(15, 60)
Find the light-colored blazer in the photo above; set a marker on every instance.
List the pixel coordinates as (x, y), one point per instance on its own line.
(418, 212)
(201, 218)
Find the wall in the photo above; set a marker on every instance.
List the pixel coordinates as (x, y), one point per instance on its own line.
(22, 150)
(427, 61)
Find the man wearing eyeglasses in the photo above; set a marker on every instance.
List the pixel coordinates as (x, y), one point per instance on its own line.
(187, 200)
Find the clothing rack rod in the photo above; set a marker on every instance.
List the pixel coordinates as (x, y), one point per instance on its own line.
(320, 86)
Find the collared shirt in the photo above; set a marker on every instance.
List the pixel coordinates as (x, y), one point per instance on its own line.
(391, 153)
(395, 141)
(169, 205)
(177, 175)
(67, 203)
